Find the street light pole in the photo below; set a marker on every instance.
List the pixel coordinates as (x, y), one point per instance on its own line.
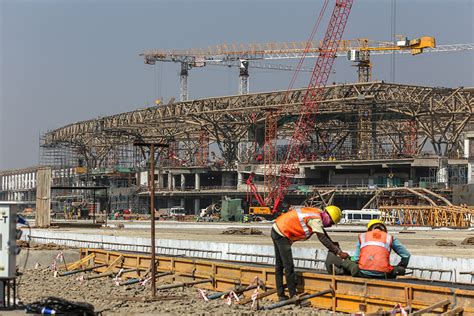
(152, 211)
(151, 186)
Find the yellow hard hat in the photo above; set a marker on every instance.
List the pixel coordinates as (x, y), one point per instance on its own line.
(334, 212)
(373, 222)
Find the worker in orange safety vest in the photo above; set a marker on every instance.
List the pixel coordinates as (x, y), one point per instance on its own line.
(300, 223)
(372, 256)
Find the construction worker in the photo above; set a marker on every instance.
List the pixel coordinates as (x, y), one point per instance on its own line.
(372, 256)
(299, 223)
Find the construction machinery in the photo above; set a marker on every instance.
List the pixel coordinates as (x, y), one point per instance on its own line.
(277, 188)
(247, 56)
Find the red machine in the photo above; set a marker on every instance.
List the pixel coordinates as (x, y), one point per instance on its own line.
(277, 188)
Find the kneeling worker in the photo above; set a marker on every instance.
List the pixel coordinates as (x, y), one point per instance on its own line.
(373, 254)
(300, 223)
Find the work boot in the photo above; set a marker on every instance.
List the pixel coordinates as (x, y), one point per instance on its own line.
(283, 298)
(339, 271)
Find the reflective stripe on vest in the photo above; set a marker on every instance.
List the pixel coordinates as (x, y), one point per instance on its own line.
(375, 247)
(301, 217)
(293, 224)
(387, 244)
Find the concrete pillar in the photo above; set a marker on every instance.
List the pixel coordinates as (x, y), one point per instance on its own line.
(470, 178)
(162, 180)
(240, 178)
(442, 175)
(182, 202)
(197, 181)
(183, 182)
(466, 148)
(412, 173)
(227, 179)
(170, 181)
(330, 175)
(173, 182)
(197, 206)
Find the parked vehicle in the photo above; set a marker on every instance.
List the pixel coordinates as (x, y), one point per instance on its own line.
(359, 216)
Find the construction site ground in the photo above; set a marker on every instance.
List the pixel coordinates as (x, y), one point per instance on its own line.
(419, 241)
(105, 296)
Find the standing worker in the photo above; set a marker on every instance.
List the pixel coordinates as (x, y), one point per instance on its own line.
(372, 256)
(300, 223)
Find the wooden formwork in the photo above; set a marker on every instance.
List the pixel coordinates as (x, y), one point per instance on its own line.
(351, 294)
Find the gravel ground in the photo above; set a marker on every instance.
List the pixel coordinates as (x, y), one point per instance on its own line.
(133, 299)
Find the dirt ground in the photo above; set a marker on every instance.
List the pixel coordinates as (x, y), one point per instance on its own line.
(110, 299)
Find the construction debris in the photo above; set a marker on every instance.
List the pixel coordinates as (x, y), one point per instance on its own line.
(468, 241)
(35, 246)
(242, 231)
(445, 243)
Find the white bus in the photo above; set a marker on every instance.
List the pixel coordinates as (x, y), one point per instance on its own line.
(359, 216)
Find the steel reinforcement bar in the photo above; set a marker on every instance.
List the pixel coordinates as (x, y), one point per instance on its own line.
(351, 294)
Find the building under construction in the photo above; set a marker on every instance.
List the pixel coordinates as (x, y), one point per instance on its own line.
(367, 136)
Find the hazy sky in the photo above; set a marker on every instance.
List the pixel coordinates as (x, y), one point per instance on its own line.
(67, 61)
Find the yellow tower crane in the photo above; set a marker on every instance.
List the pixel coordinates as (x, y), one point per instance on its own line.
(361, 55)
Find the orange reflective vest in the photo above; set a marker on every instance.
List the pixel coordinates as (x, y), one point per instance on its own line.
(294, 223)
(375, 247)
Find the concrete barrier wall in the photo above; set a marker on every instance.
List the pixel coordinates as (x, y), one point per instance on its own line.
(304, 257)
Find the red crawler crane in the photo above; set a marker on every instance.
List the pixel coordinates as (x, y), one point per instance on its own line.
(278, 187)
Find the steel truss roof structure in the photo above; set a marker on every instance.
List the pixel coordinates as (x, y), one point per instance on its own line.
(357, 121)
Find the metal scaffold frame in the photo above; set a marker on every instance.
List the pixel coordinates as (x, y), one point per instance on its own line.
(437, 117)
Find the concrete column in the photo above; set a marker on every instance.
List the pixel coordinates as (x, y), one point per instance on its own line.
(240, 178)
(466, 148)
(197, 206)
(412, 173)
(170, 181)
(182, 202)
(330, 175)
(173, 182)
(158, 179)
(183, 182)
(226, 179)
(470, 165)
(197, 181)
(443, 175)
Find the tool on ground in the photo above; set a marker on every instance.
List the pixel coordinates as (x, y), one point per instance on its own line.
(298, 298)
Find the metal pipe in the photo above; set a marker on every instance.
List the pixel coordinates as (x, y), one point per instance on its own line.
(297, 299)
(432, 307)
(236, 291)
(137, 280)
(110, 273)
(259, 296)
(172, 286)
(81, 270)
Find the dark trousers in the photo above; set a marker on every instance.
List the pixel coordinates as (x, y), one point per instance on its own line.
(284, 260)
(349, 267)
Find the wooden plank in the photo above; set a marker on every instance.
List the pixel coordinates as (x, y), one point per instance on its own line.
(43, 198)
(79, 263)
